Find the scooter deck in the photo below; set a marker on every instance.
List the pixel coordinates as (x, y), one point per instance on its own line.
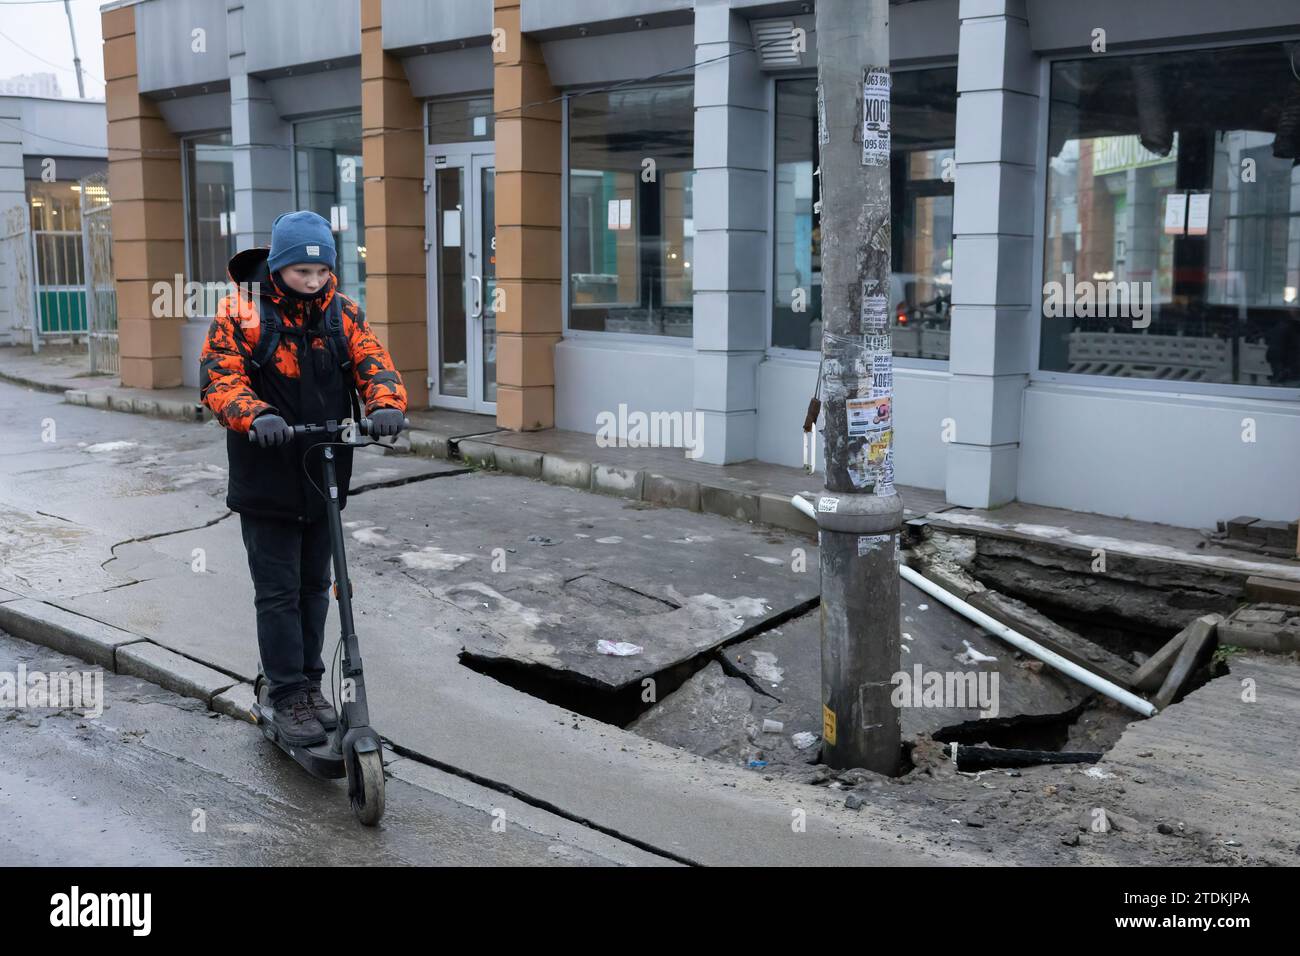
(318, 760)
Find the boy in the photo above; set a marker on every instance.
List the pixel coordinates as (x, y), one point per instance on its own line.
(315, 349)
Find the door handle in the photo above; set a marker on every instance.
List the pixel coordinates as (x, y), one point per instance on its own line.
(478, 297)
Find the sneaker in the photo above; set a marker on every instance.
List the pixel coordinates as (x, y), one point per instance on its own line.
(321, 707)
(296, 723)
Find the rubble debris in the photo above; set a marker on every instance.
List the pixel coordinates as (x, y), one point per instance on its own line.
(1265, 627)
(1198, 645)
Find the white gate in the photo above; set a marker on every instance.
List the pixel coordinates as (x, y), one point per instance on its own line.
(17, 298)
(97, 254)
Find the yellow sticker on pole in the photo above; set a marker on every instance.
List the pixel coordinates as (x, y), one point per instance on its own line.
(828, 725)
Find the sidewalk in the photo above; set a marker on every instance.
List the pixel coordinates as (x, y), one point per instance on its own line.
(755, 492)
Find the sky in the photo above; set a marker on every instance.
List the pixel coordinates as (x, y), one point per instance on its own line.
(34, 39)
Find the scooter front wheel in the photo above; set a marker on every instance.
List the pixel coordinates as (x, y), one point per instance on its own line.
(368, 803)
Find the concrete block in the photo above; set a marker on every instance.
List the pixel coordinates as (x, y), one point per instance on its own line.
(97, 398)
(8, 596)
(145, 406)
(1237, 526)
(559, 470)
(620, 482)
(740, 505)
(776, 510)
(157, 664)
(1265, 627)
(671, 492)
(75, 396)
(53, 627)
(235, 702)
(1197, 647)
(1276, 534)
(429, 445)
(1273, 591)
(477, 453)
(517, 461)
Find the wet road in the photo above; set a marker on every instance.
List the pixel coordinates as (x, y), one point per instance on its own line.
(158, 779)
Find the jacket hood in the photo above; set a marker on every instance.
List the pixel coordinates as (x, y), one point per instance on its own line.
(249, 266)
(250, 269)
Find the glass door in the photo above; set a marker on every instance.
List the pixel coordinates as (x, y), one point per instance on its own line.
(462, 271)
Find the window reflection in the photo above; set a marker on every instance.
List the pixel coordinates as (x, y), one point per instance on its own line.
(1173, 217)
(631, 212)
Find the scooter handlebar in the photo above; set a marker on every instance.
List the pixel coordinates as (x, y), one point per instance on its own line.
(362, 426)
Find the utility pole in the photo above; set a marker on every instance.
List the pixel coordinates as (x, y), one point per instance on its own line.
(76, 57)
(859, 514)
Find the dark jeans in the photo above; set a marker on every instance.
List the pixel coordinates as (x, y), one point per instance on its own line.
(290, 566)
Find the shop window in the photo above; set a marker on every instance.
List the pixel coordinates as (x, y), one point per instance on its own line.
(631, 217)
(327, 175)
(1172, 241)
(465, 120)
(209, 206)
(923, 119)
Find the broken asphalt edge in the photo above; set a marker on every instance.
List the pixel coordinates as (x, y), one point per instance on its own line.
(130, 654)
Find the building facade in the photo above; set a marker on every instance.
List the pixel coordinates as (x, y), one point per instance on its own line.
(554, 209)
(50, 151)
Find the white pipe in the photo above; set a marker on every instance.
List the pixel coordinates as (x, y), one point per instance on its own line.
(1018, 640)
(1014, 638)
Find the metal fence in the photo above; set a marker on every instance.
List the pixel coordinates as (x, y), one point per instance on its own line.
(99, 293)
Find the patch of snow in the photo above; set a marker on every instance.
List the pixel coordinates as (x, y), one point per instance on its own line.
(433, 559)
(765, 667)
(104, 446)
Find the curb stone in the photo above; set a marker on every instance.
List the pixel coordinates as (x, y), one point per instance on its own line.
(166, 668)
(66, 632)
(235, 702)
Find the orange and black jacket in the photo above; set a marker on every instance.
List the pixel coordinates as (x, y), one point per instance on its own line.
(278, 482)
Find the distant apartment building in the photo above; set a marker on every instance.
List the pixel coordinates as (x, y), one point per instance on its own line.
(551, 208)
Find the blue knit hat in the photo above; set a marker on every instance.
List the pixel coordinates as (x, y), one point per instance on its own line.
(300, 237)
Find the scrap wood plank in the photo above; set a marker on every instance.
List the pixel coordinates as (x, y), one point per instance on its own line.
(1201, 639)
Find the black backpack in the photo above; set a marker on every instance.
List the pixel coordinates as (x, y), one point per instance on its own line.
(273, 327)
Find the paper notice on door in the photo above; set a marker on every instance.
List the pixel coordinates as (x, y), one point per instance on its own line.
(1198, 214)
(625, 214)
(612, 220)
(1175, 214)
(451, 228)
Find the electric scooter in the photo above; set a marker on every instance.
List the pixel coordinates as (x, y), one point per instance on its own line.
(353, 749)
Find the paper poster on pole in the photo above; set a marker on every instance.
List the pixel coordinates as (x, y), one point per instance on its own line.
(875, 117)
(869, 416)
(875, 312)
(1175, 213)
(1198, 214)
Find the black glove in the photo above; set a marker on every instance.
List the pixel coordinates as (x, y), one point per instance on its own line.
(386, 422)
(271, 431)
